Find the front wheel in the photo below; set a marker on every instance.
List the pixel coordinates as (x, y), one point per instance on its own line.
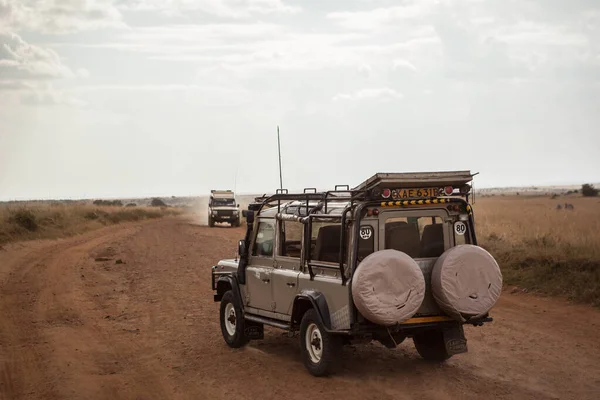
(430, 345)
(232, 321)
(320, 350)
(211, 221)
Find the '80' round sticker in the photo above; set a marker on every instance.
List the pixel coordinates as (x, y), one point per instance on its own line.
(460, 228)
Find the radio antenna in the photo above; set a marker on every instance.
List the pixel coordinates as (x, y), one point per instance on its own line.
(279, 149)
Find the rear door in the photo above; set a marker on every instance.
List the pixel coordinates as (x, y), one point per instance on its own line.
(287, 265)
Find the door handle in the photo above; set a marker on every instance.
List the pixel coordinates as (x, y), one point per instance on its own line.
(291, 284)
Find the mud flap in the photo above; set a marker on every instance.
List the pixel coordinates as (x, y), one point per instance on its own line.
(253, 330)
(454, 339)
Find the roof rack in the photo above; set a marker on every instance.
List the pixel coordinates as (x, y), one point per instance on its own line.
(381, 186)
(412, 179)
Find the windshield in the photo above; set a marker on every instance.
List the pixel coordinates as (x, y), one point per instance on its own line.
(223, 202)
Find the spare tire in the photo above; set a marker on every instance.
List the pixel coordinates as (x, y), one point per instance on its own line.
(388, 287)
(466, 282)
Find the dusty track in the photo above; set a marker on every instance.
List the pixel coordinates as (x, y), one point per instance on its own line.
(75, 328)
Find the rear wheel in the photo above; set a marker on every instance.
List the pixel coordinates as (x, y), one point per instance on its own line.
(320, 350)
(430, 345)
(232, 321)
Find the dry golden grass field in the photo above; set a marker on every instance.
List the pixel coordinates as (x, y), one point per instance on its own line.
(44, 220)
(541, 248)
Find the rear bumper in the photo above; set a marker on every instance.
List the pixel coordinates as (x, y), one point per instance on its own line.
(413, 326)
(442, 318)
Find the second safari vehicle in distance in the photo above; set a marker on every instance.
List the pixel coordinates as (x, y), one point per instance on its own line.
(395, 257)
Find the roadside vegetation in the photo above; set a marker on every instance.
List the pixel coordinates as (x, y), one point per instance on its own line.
(41, 220)
(543, 248)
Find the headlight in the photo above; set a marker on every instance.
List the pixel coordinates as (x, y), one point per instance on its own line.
(235, 212)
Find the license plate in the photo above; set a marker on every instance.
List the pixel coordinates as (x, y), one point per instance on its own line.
(398, 194)
(454, 340)
(254, 331)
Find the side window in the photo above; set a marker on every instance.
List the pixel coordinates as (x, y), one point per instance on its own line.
(419, 237)
(265, 239)
(291, 239)
(325, 237)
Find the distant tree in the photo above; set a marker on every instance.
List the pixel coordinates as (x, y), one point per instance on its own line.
(117, 203)
(156, 202)
(589, 190)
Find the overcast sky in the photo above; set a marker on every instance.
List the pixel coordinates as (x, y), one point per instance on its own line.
(108, 98)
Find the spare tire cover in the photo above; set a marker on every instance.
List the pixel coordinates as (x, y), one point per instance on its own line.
(388, 287)
(466, 282)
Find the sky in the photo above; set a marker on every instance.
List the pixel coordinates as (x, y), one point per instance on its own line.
(135, 98)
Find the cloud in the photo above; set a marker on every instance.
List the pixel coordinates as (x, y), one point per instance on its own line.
(21, 60)
(236, 9)
(58, 16)
(380, 94)
(29, 71)
(47, 95)
(381, 18)
(401, 64)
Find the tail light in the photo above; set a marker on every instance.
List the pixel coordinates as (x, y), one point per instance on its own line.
(372, 212)
(454, 207)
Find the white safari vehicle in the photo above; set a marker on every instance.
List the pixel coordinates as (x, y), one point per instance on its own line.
(395, 257)
(222, 207)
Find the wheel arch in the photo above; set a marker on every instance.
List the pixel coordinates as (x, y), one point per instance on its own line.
(225, 283)
(306, 300)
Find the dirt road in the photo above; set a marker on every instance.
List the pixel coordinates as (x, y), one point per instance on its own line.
(72, 327)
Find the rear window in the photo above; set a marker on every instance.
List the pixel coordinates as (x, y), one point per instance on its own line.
(419, 237)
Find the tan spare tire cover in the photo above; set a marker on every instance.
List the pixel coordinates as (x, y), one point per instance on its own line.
(388, 287)
(466, 282)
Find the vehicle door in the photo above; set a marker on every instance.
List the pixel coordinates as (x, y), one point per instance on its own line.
(284, 279)
(260, 266)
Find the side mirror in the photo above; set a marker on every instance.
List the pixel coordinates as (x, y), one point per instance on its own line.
(249, 215)
(238, 205)
(241, 248)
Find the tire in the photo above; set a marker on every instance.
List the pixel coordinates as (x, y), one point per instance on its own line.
(430, 345)
(211, 221)
(388, 287)
(232, 329)
(320, 358)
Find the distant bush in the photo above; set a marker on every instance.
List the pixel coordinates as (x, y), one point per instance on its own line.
(588, 190)
(25, 219)
(156, 202)
(118, 203)
(131, 205)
